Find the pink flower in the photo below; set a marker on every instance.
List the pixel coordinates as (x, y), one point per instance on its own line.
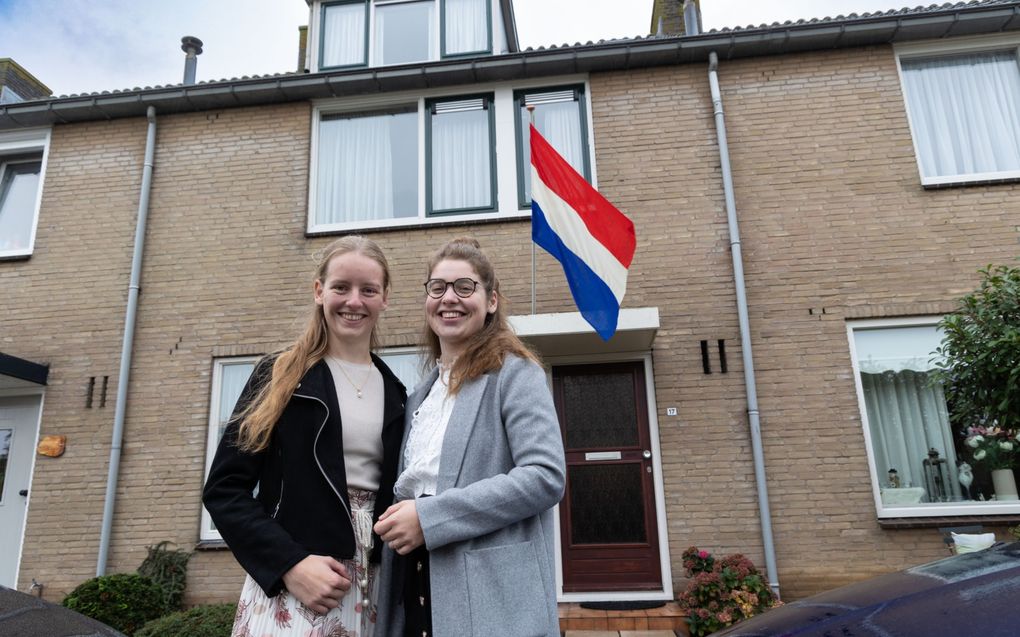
(703, 554)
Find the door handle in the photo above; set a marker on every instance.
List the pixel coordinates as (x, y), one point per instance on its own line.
(646, 454)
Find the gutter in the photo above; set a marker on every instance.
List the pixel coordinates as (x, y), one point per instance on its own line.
(764, 514)
(127, 345)
(613, 55)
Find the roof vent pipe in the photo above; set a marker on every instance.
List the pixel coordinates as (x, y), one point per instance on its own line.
(692, 24)
(192, 46)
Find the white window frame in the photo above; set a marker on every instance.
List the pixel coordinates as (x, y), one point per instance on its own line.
(497, 41)
(9, 96)
(932, 48)
(507, 205)
(206, 532)
(29, 141)
(399, 351)
(918, 510)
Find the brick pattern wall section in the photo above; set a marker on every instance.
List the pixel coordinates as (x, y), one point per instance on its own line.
(832, 216)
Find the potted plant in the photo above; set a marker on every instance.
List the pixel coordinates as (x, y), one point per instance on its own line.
(978, 364)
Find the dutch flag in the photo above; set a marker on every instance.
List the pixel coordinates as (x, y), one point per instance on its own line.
(590, 238)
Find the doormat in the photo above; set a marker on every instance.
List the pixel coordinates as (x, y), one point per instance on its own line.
(642, 605)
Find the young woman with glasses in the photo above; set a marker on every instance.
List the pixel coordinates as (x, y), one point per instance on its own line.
(317, 429)
(470, 537)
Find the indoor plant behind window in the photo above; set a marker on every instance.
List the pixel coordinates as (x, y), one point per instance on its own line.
(979, 366)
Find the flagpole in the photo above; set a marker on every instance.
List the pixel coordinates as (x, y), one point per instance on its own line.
(531, 118)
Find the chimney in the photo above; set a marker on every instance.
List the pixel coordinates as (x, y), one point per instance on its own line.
(676, 17)
(192, 47)
(302, 52)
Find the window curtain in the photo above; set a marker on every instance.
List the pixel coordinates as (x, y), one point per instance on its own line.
(461, 172)
(466, 26)
(232, 380)
(560, 124)
(19, 184)
(965, 110)
(907, 415)
(343, 35)
(355, 172)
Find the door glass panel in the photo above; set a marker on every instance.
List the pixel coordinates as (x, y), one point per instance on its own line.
(599, 411)
(606, 504)
(5, 452)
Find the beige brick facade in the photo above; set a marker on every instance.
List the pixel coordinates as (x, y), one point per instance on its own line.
(834, 223)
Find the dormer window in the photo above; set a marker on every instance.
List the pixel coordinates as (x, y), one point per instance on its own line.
(384, 32)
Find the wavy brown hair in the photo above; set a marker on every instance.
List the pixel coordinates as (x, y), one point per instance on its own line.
(485, 350)
(259, 418)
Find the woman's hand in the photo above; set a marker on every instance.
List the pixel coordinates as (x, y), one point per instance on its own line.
(319, 582)
(399, 527)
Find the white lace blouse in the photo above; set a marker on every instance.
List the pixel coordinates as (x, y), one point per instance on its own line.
(425, 442)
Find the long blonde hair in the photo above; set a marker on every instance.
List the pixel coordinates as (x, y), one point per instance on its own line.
(486, 349)
(260, 416)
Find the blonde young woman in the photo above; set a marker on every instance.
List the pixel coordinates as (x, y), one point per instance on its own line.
(470, 540)
(317, 429)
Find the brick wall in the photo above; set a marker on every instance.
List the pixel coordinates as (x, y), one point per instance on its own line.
(832, 216)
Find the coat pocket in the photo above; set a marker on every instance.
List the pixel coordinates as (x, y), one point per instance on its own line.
(506, 592)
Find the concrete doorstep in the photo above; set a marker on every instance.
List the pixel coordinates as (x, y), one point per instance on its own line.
(622, 633)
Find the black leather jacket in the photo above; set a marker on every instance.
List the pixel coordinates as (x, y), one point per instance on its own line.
(302, 506)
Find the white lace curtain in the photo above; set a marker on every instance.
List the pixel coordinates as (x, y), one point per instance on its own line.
(355, 170)
(907, 415)
(461, 169)
(466, 26)
(560, 124)
(343, 35)
(965, 111)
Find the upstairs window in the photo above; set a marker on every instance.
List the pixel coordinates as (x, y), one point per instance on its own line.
(344, 34)
(560, 118)
(22, 164)
(466, 27)
(462, 155)
(367, 166)
(7, 96)
(402, 31)
(963, 110)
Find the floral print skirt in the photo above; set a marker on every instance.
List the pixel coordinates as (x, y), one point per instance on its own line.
(284, 616)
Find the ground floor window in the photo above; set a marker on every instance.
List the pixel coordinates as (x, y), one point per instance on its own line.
(917, 453)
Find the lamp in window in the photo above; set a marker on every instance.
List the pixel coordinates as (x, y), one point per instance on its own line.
(935, 476)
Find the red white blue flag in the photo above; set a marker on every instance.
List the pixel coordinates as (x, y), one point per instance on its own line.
(592, 240)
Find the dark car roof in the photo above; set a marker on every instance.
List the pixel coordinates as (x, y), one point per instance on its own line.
(970, 594)
(23, 615)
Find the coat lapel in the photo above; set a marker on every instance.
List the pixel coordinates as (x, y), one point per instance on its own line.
(458, 431)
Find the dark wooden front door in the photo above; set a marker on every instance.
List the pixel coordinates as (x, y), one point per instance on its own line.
(609, 536)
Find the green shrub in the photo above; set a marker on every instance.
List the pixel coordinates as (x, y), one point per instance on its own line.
(211, 620)
(721, 592)
(122, 601)
(169, 569)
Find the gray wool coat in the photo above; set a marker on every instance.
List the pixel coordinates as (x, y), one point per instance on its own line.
(489, 528)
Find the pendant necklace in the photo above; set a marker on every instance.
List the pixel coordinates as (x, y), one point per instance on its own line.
(357, 389)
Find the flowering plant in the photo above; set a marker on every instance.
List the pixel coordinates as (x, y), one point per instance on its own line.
(995, 447)
(721, 592)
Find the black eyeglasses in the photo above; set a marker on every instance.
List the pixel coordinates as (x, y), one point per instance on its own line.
(463, 288)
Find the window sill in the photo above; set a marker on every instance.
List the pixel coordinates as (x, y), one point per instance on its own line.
(211, 545)
(959, 181)
(419, 223)
(16, 257)
(949, 520)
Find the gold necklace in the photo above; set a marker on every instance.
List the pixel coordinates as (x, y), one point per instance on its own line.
(350, 380)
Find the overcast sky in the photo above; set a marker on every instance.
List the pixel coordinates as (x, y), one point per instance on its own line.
(81, 46)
